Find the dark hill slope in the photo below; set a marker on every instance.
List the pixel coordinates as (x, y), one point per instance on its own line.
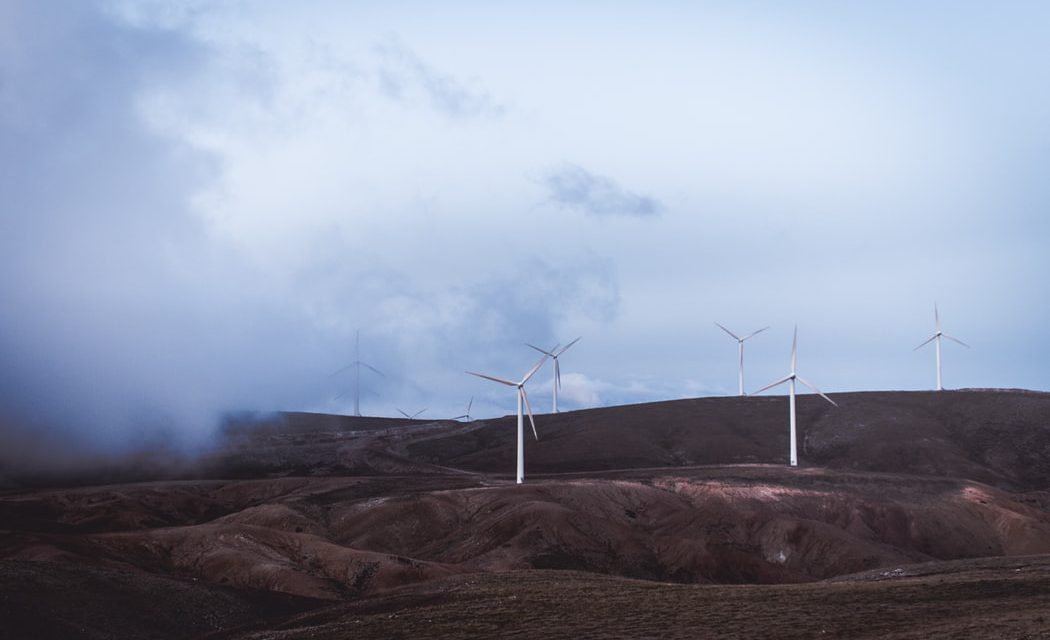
(1004, 599)
(337, 538)
(997, 437)
(45, 600)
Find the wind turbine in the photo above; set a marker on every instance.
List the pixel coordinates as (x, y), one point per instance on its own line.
(791, 377)
(356, 365)
(740, 342)
(522, 396)
(937, 337)
(554, 353)
(467, 414)
(413, 416)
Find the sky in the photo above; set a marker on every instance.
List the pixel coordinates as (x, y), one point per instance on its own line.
(203, 202)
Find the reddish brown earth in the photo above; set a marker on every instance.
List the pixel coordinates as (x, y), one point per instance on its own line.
(1004, 598)
(671, 519)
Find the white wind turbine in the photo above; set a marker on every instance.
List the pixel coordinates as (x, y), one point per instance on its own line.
(522, 397)
(740, 342)
(790, 379)
(554, 353)
(467, 414)
(413, 416)
(356, 365)
(936, 338)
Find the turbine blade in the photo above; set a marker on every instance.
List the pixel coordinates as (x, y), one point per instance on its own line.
(936, 317)
(956, 340)
(374, 370)
(932, 338)
(566, 347)
(418, 413)
(528, 407)
(735, 336)
(470, 404)
(335, 373)
(532, 371)
(494, 379)
(817, 390)
(794, 349)
(404, 414)
(754, 333)
(770, 386)
(557, 373)
(538, 349)
(458, 417)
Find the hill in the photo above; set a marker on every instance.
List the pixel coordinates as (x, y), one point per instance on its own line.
(300, 525)
(997, 437)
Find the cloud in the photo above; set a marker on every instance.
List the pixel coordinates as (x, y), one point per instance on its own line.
(203, 201)
(123, 321)
(582, 391)
(403, 77)
(480, 325)
(574, 187)
(578, 391)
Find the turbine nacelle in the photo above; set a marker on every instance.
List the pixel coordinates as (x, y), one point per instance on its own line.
(738, 338)
(936, 339)
(791, 378)
(554, 353)
(740, 347)
(356, 365)
(523, 399)
(467, 414)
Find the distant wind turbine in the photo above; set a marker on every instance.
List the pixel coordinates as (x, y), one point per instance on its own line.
(413, 416)
(740, 343)
(356, 366)
(791, 380)
(467, 414)
(936, 338)
(522, 397)
(554, 353)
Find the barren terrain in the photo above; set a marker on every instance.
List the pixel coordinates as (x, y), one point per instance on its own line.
(912, 515)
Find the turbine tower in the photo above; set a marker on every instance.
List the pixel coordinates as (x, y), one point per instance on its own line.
(522, 397)
(790, 379)
(554, 353)
(356, 366)
(936, 338)
(740, 343)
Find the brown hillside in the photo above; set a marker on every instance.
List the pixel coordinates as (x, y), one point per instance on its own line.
(396, 523)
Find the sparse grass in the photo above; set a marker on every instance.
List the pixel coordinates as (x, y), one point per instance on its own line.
(576, 606)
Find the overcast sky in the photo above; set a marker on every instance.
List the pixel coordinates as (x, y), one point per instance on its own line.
(203, 201)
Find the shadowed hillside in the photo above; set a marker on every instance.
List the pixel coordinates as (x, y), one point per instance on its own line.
(362, 520)
(997, 437)
(992, 599)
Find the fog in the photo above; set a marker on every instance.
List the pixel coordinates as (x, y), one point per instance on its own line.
(203, 203)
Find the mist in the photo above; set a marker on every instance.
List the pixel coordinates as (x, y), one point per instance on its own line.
(204, 204)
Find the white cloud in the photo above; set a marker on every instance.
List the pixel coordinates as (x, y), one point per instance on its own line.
(251, 182)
